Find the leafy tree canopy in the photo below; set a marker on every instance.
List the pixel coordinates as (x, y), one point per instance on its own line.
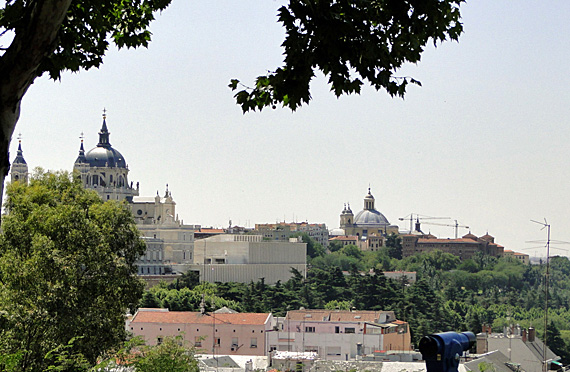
(66, 271)
(350, 42)
(172, 355)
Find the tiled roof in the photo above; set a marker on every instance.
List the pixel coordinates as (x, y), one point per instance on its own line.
(336, 315)
(211, 231)
(345, 238)
(189, 317)
(452, 241)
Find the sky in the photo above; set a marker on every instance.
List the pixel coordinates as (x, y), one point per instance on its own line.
(484, 141)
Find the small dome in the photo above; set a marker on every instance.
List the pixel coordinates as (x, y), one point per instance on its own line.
(105, 157)
(336, 232)
(370, 217)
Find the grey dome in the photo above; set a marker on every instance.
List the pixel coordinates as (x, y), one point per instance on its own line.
(370, 217)
(105, 157)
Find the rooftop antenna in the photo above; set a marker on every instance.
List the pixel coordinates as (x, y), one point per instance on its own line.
(545, 225)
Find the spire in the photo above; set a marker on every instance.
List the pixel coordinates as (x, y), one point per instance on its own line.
(20, 154)
(81, 157)
(104, 133)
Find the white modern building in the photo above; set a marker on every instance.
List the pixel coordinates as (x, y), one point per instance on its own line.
(244, 258)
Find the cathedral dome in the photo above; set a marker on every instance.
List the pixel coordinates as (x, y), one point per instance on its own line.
(105, 157)
(370, 217)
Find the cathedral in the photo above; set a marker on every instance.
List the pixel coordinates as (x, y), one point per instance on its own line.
(367, 222)
(103, 169)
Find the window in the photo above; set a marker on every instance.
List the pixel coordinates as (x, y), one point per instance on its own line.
(253, 343)
(216, 341)
(310, 329)
(198, 341)
(159, 340)
(349, 330)
(235, 341)
(337, 329)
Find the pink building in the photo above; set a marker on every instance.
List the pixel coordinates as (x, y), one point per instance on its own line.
(222, 333)
(340, 334)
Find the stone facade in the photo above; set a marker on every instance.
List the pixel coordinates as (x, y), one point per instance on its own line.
(464, 248)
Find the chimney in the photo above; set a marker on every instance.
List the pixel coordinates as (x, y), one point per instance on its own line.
(524, 335)
(482, 343)
(531, 334)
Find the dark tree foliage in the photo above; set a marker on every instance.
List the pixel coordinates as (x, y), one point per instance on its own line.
(556, 343)
(351, 42)
(394, 246)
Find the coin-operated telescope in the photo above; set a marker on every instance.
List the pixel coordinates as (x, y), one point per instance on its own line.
(442, 351)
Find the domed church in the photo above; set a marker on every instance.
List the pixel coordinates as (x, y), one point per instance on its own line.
(105, 170)
(367, 222)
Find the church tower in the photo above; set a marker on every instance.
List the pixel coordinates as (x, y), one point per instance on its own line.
(19, 169)
(346, 217)
(81, 165)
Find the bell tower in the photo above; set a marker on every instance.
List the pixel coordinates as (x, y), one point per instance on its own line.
(346, 217)
(19, 169)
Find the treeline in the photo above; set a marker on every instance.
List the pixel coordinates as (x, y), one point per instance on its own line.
(448, 294)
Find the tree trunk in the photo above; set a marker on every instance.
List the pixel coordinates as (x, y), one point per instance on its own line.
(8, 119)
(19, 66)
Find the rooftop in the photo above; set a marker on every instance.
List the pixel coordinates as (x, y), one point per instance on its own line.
(189, 317)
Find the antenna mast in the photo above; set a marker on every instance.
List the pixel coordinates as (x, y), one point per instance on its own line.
(545, 225)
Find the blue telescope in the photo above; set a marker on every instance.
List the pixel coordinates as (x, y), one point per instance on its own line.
(442, 351)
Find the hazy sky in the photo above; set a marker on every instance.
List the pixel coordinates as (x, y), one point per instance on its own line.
(484, 141)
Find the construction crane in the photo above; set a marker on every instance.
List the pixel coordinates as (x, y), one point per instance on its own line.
(456, 225)
(419, 217)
